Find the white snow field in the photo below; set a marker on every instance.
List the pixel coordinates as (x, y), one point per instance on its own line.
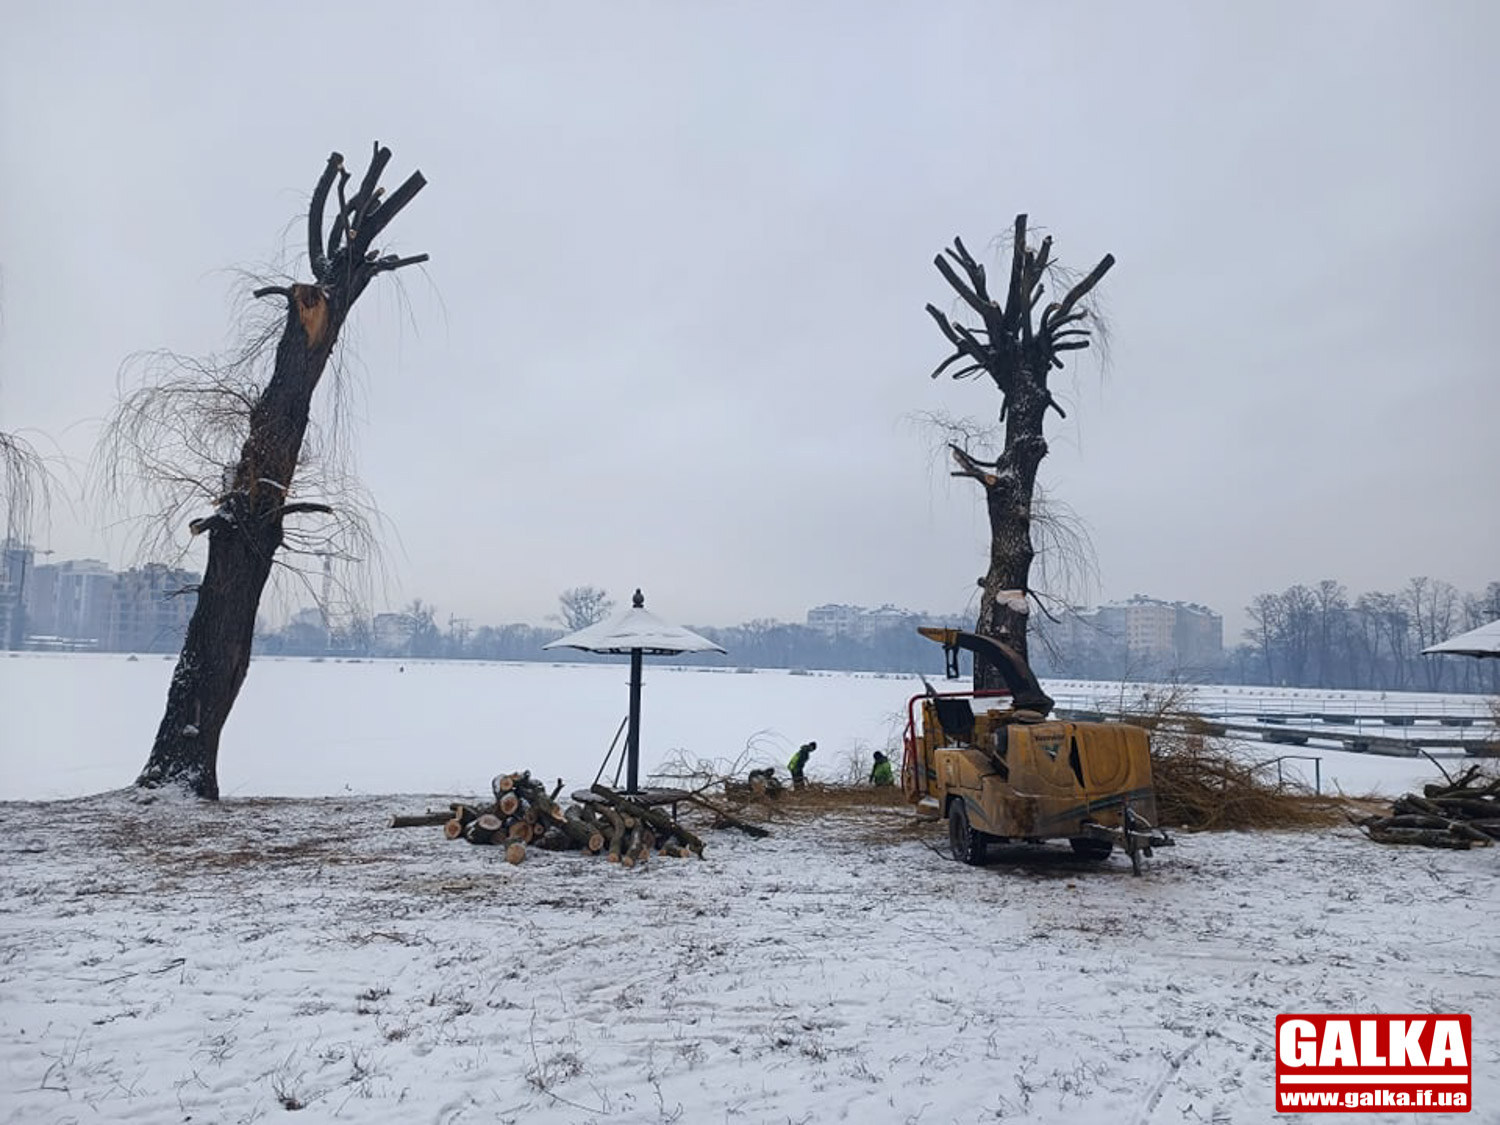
(169, 961)
(307, 728)
(77, 724)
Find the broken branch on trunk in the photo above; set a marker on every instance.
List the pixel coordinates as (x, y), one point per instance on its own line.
(302, 508)
(970, 296)
(392, 206)
(1084, 287)
(391, 262)
(369, 189)
(972, 467)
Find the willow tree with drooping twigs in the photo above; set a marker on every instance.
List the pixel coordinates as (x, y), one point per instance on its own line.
(25, 493)
(1018, 342)
(257, 497)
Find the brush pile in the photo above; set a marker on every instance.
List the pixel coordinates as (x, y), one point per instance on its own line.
(524, 814)
(1200, 784)
(1463, 813)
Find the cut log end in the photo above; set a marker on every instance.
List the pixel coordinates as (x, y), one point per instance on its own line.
(525, 815)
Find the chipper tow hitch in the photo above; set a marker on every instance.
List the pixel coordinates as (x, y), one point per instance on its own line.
(1136, 836)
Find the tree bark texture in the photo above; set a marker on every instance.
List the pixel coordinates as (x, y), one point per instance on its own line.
(1018, 351)
(245, 531)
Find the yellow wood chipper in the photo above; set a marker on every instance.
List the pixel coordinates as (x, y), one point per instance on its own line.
(999, 771)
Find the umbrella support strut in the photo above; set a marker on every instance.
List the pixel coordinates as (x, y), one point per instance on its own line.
(610, 753)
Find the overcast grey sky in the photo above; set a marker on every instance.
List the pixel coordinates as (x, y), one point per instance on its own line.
(672, 331)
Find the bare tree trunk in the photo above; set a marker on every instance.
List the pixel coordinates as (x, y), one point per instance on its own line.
(245, 531)
(1018, 352)
(1004, 611)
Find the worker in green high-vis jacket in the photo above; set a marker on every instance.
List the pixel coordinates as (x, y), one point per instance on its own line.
(881, 773)
(799, 763)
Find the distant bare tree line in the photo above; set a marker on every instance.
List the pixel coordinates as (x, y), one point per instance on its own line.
(1316, 636)
(760, 643)
(1307, 636)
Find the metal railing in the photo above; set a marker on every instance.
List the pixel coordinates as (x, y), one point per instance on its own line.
(1280, 775)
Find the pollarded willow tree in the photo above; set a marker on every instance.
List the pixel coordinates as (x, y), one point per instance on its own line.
(1018, 349)
(25, 494)
(255, 495)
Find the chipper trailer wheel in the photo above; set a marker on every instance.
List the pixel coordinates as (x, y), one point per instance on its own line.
(966, 843)
(1095, 851)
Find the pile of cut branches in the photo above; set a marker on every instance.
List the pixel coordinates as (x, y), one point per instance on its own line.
(738, 795)
(524, 813)
(1202, 784)
(1461, 814)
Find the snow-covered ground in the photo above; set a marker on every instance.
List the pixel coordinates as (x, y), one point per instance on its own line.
(174, 963)
(171, 962)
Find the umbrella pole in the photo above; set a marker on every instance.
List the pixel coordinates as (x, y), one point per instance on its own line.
(633, 739)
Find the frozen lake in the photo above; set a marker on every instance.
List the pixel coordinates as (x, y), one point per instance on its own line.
(305, 728)
(77, 724)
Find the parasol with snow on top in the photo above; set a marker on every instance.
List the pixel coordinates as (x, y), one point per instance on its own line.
(639, 633)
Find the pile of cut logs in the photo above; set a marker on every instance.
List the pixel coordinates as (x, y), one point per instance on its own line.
(523, 813)
(1462, 814)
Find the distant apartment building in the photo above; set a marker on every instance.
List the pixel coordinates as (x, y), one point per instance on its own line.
(40, 601)
(834, 620)
(68, 603)
(15, 569)
(856, 621)
(1199, 637)
(150, 608)
(1138, 637)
